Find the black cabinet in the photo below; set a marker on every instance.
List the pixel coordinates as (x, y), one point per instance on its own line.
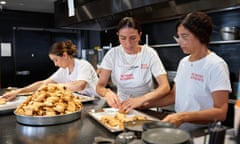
(31, 58)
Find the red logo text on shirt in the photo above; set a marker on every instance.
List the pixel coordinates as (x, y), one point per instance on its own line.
(197, 77)
(126, 77)
(144, 66)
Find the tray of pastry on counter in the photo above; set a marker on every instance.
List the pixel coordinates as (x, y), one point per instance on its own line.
(114, 121)
(50, 105)
(9, 106)
(84, 98)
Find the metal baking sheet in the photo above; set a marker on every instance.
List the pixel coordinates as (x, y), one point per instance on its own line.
(84, 98)
(12, 105)
(25, 94)
(48, 120)
(97, 114)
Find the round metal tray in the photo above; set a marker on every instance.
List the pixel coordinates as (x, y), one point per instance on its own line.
(47, 120)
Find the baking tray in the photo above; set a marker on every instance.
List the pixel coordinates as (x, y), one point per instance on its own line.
(97, 114)
(84, 98)
(25, 94)
(12, 105)
(47, 120)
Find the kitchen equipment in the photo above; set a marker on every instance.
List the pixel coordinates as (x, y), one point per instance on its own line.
(48, 120)
(136, 126)
(157, 124)
(103, 140)
(10, 106)
(166, 136)
(217, 134)
(84, 98)
(111, 112)
(125, 138)
(56, 134)
(230, 33)
(236, 118)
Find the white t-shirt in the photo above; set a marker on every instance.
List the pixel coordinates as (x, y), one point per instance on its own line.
(133, 74)
(82, 70)
(195, 81)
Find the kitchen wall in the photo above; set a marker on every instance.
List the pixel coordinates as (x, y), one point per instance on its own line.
(9, 19)
(30, 35)
(162, 33)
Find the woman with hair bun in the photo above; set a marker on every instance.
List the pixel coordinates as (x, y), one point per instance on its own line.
(75, 74)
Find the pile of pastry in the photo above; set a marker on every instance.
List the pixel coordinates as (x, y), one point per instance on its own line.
(50, 100)
(118, 119)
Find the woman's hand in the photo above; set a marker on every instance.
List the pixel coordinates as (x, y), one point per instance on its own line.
(10, 95)
(175, 119)
(112, 99)
(130, 104)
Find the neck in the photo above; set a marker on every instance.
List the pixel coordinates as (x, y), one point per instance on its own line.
(134, 51)
(199, 54)
(71, 64)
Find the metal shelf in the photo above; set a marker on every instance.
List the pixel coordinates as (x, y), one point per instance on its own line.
(212, 42)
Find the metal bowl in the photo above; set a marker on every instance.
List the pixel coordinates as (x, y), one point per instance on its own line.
(230, 33)
(47, 120)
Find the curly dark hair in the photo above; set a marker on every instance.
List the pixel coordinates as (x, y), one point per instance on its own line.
(67, 46)
(200, 24)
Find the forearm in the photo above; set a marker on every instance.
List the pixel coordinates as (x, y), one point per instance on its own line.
(204, 116)
(160, 102)
(158, 93)
(76, 85)
(102, 91)
(31, 87)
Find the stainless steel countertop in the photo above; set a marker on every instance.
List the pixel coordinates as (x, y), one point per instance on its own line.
(80, 131)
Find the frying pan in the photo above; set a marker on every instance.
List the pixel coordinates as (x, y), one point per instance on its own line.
(157, 124)
(166, 136)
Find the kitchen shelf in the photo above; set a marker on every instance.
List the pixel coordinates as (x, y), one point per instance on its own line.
(212, 42)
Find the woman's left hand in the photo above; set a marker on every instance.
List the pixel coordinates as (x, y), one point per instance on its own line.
(175, 119)
(130, 104)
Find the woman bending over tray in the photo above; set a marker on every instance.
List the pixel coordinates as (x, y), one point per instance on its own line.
(75, 74)
(132, 68)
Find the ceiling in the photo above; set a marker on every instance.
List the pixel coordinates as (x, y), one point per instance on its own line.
(45, 6)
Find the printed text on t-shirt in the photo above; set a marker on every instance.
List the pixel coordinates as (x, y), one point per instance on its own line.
(126, 77)
(144, 66)
(197, 77)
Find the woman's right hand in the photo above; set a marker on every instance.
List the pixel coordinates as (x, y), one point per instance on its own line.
(11, 95)
(112, 99)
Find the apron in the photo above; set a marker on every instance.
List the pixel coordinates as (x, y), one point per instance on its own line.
(131, 80)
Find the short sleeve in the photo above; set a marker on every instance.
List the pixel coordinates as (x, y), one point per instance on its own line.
(107, 62)
(157, 67)
(219, 78)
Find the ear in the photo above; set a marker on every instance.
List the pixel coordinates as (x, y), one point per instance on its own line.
(140, 34)
(64, 54)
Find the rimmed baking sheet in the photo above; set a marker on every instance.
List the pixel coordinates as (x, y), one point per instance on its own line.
(11, 105)
(98, 114)
(84, 98)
